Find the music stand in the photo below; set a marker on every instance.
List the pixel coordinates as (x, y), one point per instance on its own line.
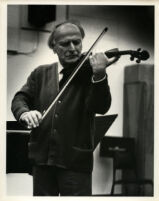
(102, 124)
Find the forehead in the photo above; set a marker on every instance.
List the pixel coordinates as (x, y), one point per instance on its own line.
(67, 31)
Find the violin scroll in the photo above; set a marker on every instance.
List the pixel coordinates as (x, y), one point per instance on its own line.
(140, 55)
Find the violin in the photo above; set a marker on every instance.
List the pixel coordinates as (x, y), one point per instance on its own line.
(140, 55)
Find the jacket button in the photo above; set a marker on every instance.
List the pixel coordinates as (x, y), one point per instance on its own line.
(59, 101)
(56, 115)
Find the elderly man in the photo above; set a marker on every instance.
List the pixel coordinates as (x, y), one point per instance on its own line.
(61, 146)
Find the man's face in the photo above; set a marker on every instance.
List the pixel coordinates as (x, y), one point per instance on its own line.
(68, 44)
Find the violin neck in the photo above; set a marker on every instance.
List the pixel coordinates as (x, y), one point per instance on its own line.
(116, 52)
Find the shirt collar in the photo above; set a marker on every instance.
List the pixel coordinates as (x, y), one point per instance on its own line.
(60, 67)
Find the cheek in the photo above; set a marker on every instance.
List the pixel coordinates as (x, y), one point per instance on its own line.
(60, 52)
(80, 48)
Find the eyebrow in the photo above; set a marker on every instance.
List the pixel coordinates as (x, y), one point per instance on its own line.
(66, 42)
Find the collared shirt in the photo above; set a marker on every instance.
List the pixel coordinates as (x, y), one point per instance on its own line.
(59, 70)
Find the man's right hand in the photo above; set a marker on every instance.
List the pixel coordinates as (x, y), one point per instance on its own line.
(32, 118)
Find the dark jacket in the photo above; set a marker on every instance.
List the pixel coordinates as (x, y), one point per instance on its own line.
(65, 136)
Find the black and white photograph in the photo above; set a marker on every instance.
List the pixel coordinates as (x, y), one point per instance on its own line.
(80, 100)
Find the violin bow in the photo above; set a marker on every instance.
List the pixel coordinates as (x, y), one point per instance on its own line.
(74, 73)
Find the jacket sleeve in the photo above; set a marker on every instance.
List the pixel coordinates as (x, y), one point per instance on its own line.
(99, 97)
(24, 98)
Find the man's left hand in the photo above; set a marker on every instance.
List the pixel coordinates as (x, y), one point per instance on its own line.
(99, 62)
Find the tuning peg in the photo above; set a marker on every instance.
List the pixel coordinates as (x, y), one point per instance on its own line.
(138, 61)
(132, 58)
(139, 49)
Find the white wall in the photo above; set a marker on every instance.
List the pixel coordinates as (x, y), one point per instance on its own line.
(121, 34)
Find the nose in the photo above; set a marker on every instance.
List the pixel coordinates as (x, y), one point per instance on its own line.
(72, 46)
